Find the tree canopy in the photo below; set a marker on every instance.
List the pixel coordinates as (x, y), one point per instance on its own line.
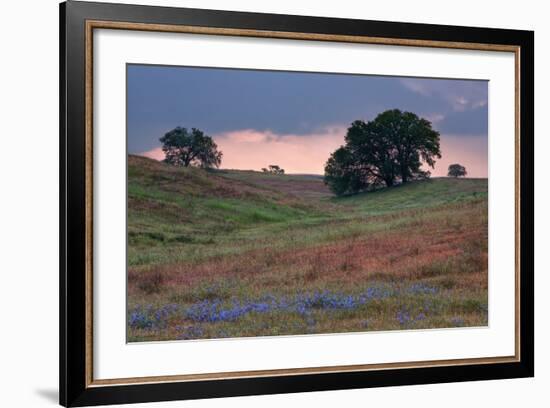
(457, 170)
(389, 149)
(184, 148)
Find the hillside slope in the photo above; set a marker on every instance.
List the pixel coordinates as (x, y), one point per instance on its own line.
(201, 242)
(171, 206)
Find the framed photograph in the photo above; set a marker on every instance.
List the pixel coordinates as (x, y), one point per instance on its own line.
(256, 204)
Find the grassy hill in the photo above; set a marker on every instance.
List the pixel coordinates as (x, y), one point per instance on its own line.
(224, 253)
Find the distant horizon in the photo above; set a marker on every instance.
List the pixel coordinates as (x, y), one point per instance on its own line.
(296, 120)
(287, 173)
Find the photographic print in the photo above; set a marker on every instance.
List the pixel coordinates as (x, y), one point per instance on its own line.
(290, 204)
(265, 203)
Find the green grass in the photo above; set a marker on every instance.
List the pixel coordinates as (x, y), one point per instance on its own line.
(418, 194)
(229, 237)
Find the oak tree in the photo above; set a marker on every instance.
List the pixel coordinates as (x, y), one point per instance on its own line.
(185, 148)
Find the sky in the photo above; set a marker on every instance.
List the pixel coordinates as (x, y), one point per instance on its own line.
(297, 119)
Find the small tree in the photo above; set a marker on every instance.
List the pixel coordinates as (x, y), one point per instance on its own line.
(273, 169)
(456, 170)
(184, 148)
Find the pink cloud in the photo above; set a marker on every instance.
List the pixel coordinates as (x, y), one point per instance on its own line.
(251, 150)
(155, 153)
(471, 152)
(247, 136)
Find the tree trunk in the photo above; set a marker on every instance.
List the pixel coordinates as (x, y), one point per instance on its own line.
(404, 177)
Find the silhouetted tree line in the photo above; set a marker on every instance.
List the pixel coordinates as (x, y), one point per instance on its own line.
(387, 150)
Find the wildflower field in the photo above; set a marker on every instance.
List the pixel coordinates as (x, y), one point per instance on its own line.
(222, 253)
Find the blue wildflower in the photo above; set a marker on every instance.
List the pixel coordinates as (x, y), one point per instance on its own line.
(422, 289)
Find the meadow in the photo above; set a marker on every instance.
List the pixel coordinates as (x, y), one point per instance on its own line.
(227, 253)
